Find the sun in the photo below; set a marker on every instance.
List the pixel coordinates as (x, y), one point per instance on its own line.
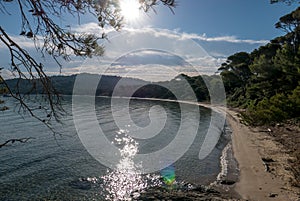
(130, 9)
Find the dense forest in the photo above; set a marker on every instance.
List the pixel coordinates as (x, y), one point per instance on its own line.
(122, 86)
(266, 81)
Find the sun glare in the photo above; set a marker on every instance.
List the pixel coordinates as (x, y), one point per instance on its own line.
(130, 9)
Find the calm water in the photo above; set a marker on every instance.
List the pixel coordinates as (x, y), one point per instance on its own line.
(60, 168)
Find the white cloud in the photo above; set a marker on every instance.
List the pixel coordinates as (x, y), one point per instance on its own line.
(229, 39)
(141, 43)
(150, 72)
(21, 41)
(89, 28)
(6, 74)
(175, 34)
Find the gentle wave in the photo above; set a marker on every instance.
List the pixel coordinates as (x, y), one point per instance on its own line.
(49, 167)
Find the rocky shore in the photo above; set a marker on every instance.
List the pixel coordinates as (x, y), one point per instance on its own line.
(197, 194)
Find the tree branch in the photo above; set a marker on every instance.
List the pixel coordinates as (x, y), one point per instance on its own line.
(12, 141)
(38, 24)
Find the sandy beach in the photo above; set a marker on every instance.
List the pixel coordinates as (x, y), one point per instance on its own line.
(263, 164)
(265, 168)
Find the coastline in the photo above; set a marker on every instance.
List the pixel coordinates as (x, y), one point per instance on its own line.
(252, 148)
(255, 151)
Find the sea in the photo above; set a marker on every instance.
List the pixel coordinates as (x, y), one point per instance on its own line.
(108, 149)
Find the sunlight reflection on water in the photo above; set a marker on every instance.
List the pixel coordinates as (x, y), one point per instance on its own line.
(126, 181)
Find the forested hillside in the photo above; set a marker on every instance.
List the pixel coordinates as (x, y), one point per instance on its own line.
(107, 86)
(266, 81)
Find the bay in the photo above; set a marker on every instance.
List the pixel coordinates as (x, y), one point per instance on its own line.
(59, 167)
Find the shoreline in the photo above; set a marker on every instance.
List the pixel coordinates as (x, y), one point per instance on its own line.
(263, 163)
(251, 149)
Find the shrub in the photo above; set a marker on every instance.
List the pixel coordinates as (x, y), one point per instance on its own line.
(269, 111)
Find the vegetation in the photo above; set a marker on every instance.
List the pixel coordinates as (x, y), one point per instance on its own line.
(3, 90)
(266, 81)
(41, 22)
(107, 85)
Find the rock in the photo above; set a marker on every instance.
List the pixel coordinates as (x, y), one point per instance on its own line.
(227, 182)
(268, 160)
(199, 193)
(200, 189)
(273, 195)
(288, 129)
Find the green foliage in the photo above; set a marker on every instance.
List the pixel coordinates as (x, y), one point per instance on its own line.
(106, 87)
(266, 81)
(263, 68)
(289, 22)
(269, 111)
(231, 81)
(295, 101)
(238, 65)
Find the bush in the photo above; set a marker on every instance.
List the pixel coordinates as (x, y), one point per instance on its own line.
(269, 111)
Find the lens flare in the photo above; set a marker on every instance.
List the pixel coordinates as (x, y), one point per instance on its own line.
(168, 175)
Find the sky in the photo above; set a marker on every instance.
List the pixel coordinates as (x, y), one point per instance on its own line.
(157, 46)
